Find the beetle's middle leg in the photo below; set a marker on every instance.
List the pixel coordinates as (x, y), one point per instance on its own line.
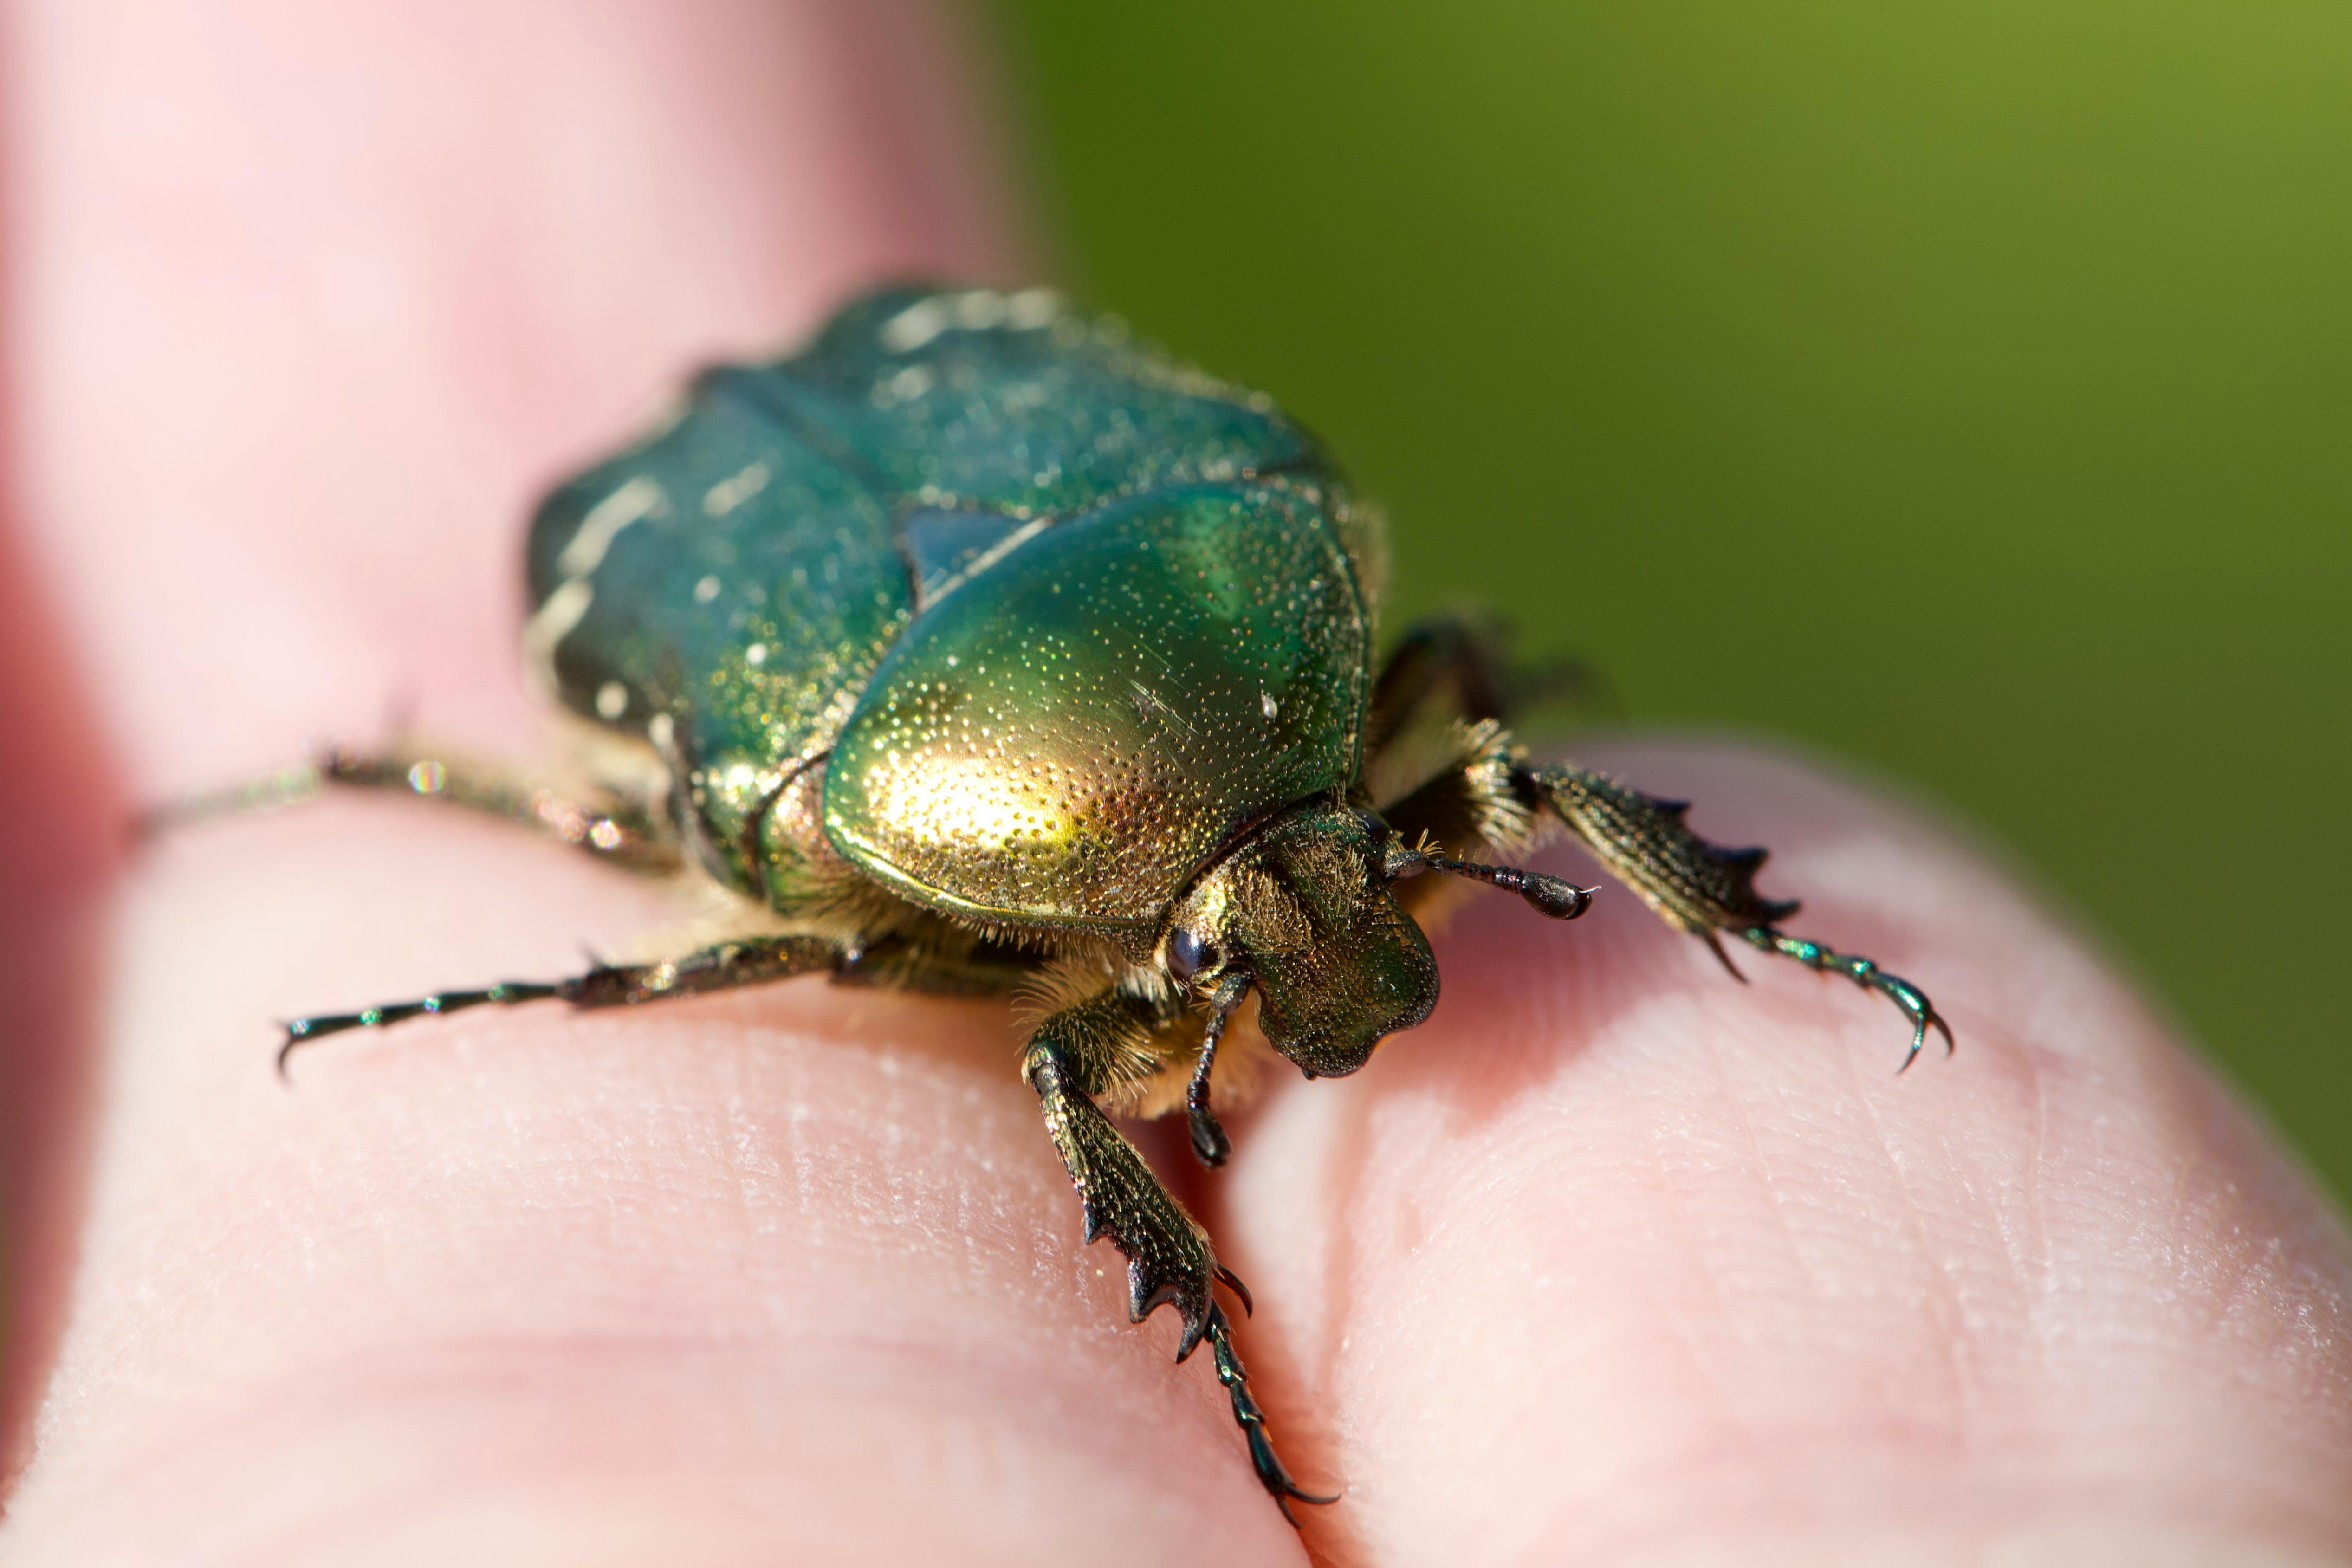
(722, 966)
(1461, 665)
(1088, 1050)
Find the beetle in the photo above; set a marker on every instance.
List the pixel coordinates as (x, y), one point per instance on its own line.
(976, 648)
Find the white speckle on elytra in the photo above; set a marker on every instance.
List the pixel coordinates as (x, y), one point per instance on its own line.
(553, 621)
(563, 609)
(916, 325)
(979, 310)
(637, 500)
(733, 491)
(1032, 308)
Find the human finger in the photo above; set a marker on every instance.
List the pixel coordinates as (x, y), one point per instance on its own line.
(793, 1270)
(311, 303)
(1616, 1261)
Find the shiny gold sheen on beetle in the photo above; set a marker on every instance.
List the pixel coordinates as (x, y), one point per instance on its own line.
(975, 649)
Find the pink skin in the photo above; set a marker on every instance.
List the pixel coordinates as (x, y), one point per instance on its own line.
(1612, 1261)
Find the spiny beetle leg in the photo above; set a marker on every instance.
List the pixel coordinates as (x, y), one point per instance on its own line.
(1644, 842)
(1705, 889)
(1866, 975)
(1169, 1263)
(720, 967)
(1271, 1474)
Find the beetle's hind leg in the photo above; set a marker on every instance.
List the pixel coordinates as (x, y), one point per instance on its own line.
(610, 829)
(1089, 1048)
(722, 966)
(1702, 888)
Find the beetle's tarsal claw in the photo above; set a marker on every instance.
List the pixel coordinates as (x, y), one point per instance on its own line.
(1923, 1017)
(1271, 1473)
(1865, 973)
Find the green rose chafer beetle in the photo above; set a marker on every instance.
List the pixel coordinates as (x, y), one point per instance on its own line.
(974, 647)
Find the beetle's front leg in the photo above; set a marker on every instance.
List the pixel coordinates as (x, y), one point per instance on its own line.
(1703, 887)
(1168, 1259)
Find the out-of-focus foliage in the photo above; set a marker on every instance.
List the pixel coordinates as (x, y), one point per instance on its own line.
(1965, 389)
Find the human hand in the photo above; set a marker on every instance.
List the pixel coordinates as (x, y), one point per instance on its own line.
(1612, 1261)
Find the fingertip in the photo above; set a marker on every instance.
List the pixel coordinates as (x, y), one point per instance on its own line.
(1613, 1254)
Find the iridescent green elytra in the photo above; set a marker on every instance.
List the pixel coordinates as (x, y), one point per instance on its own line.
(974, 647)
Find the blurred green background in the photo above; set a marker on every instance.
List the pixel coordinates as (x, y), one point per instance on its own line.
(1963, 389)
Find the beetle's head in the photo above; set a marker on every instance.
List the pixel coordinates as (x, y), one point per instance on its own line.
(1304, 910)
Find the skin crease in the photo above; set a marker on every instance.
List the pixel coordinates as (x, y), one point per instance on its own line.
(1614, 1261)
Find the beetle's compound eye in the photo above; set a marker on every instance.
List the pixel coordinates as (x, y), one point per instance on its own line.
(1188, 953)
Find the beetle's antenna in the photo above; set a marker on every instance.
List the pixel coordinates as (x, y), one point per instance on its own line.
(1553, 896)
(1209, 1141)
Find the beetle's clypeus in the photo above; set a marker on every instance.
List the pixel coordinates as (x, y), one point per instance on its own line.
(974, 647)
